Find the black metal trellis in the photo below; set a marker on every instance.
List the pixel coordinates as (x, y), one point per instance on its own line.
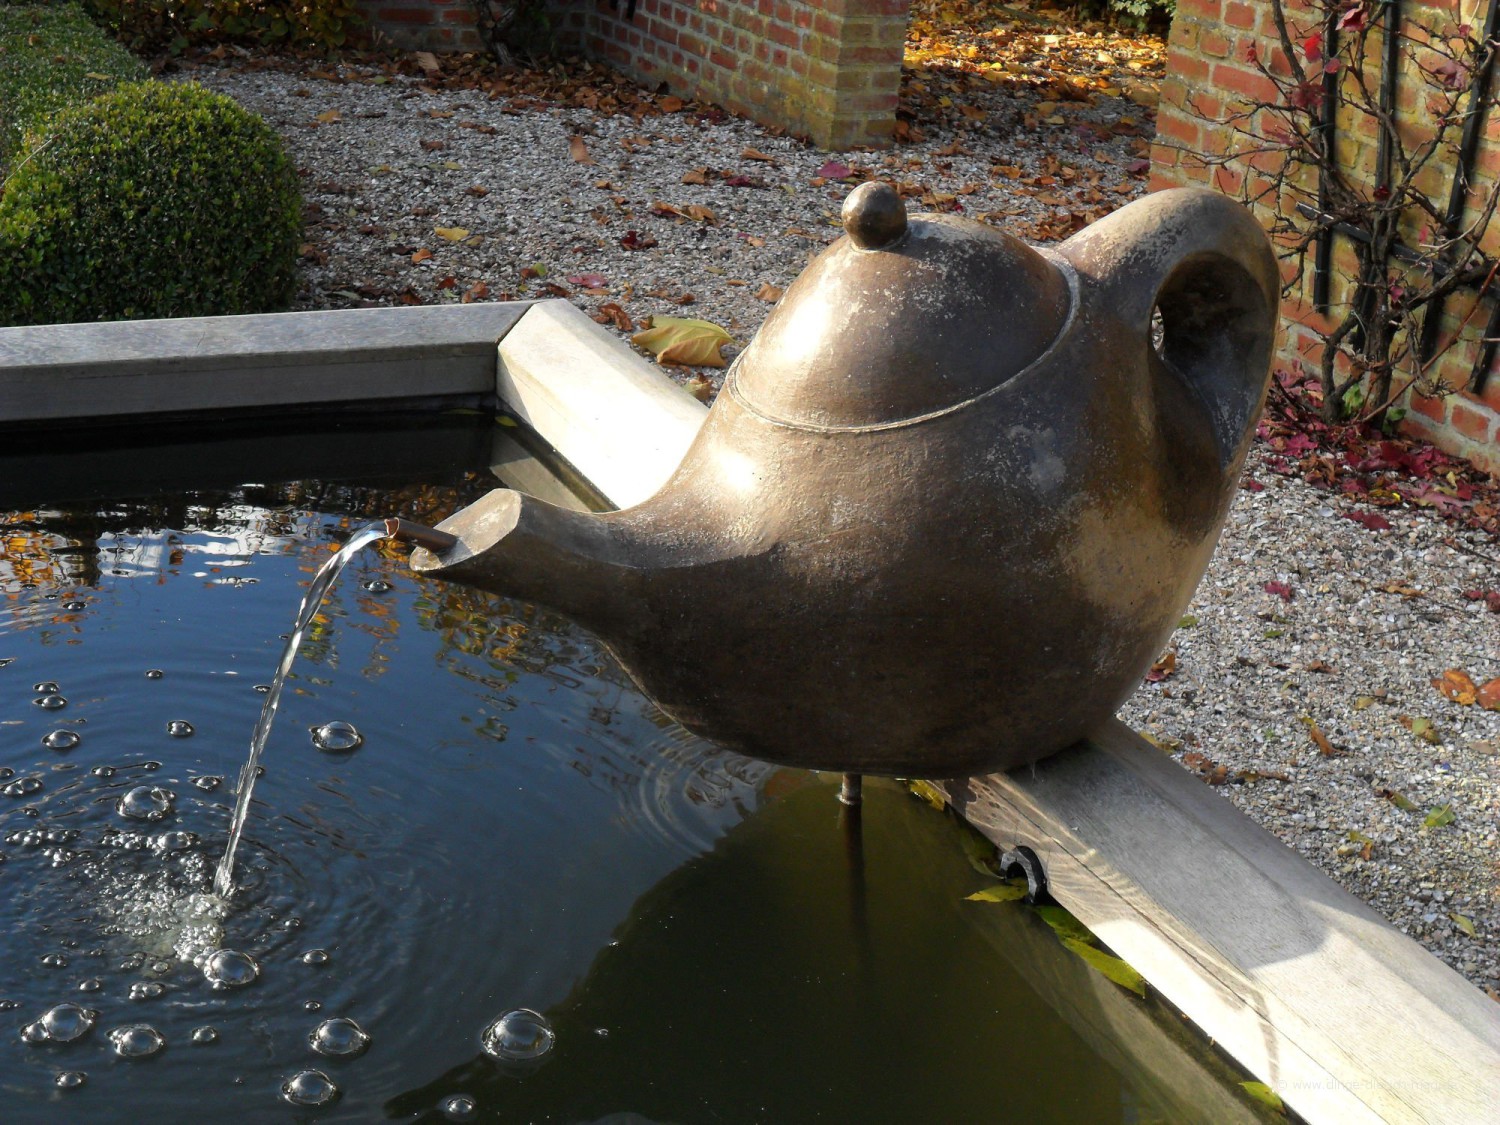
(1457, 196)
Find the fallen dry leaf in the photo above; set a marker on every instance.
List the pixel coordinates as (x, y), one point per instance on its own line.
(427, 61)
(613, 314)
(701, 387)
(694, 343)
(768, 293)
(671, 103)
(421, 256)
(755, 154)
(1320, 740)
(1455, 685)
(330, 117)
(477, 292)
(1420, 727)
(578, 150)
(452, 234)
(695, 176)
(432, 146)
(700, 213)
(1487, 695)
(1163, 668)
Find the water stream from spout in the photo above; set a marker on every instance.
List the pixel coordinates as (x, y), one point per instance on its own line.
(311, 602)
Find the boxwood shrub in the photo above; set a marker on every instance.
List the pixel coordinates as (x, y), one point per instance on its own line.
(154, 200)
(51, 57)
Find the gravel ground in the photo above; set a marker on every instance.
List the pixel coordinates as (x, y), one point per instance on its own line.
(1357, 622)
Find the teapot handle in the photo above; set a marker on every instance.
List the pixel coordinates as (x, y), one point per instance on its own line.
(1202, 261)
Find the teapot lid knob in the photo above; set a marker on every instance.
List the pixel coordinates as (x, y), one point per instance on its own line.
(874, 216)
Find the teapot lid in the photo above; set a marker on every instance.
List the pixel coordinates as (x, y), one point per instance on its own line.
(901, 318)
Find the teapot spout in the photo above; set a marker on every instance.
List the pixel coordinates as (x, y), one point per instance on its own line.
(513, 544)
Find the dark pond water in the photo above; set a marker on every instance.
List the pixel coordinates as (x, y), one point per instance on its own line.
(518, 829)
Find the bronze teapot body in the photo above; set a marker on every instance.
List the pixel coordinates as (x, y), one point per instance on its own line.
(950, 504)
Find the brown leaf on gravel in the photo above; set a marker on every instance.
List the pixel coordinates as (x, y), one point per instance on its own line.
(1456, 686)
(477, 191)
(578, 150)
(700, 213)
(421, 256)
(1487, 695)
(330, 117)
(695, 176)
(701, 387)
(428, 62)
(1164, 667)
(476, 292)
(756, 154)
(432, 146)
(1420, 727)
(1321, 666)
(768, 293)
(1320, 740)
(613, 314)
(635, 240)
(671, 103)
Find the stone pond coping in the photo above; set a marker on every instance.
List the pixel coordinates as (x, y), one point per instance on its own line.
(1348, 1019)
(553, 367)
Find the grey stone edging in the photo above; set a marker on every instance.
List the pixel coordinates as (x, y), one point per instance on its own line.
(125, 369)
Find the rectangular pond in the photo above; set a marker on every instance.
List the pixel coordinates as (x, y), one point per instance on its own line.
(705, 935)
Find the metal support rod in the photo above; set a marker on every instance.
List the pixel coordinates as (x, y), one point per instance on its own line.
(404, 531)
(1458, 191)
(1471, 277)
(852, 789)
(1323, 254)
(1486, 357)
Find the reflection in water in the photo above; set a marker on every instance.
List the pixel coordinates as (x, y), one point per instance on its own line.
(519, 829)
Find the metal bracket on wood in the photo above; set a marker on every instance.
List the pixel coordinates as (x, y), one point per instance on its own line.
(1021, 860)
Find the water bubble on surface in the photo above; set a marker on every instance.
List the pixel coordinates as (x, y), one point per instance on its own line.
(6, 773)
(339, 1037)
(70, 1079)
(147, 990)
(208, 783)
(311, 1088)
(458, 1107)
(153, 673)
(23, 787)
(312, 1006)
(92, 984)
(205, 1035)
(518, 1036)
(264, 689)
(180, 728)
(136, 1041)
(62, 1023)
(146, 802)
(103, 771)
(315, 957)
(175, 841)
(55, 960)
(75, 606)
(229, 968)
(51, 702)
(61, 739)
(375, 586)
(337, 737)
(46, 687)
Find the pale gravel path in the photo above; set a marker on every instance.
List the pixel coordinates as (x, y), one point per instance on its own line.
(1242, 685)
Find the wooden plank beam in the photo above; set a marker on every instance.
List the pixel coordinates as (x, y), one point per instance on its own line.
(1345, 1017)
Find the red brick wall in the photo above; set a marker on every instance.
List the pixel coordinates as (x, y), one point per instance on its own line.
(422, 25)
(1208, 68)
(829, 71)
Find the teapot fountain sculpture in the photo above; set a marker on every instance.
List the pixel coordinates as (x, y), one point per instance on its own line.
(950, 504)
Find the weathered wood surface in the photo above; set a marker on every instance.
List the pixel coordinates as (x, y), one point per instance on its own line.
(1345, 1017)
(119, 369)
(618, 419)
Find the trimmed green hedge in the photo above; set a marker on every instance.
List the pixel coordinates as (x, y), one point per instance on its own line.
(52, 57)
(155, 200)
